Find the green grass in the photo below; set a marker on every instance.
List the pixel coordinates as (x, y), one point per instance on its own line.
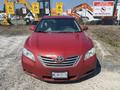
(109, 36)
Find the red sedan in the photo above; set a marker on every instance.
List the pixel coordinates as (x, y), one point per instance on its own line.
(58, 50)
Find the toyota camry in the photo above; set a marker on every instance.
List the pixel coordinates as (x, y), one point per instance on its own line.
(58, 50)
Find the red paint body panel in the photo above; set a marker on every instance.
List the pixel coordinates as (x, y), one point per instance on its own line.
(58, 44)
(44, 73)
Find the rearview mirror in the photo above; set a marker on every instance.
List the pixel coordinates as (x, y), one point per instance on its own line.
(32, 27)
(84, 28)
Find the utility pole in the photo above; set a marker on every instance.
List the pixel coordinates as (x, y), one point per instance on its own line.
(118, 16)
(115, 8)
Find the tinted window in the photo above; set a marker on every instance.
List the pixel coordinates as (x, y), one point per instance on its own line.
(58, 25)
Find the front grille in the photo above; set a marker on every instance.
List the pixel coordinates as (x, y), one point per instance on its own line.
(50, 62)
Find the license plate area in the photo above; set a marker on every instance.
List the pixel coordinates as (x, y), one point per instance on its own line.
(59, 75)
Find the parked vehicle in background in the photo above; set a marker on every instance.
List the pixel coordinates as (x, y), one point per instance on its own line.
(86, 15)
(2, 16)
(14, 18)
(29, 18)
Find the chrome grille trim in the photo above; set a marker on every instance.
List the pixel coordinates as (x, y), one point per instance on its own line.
(50, 62)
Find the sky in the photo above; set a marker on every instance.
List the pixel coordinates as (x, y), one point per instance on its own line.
(71, 3)
(67, 3)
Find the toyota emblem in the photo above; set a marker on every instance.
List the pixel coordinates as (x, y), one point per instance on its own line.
(59, 59)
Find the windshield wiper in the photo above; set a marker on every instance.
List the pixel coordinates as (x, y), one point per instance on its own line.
(41, 31)
(70, 32)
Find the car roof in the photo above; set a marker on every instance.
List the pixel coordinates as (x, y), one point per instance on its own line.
(58, 17)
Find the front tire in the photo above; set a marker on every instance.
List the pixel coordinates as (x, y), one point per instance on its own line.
(28, 21)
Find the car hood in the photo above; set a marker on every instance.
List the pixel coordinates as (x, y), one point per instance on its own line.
(65, 44)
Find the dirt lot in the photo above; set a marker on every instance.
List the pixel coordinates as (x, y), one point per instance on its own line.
(13, 78)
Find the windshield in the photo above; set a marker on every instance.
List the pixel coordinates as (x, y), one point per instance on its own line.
(58, 25)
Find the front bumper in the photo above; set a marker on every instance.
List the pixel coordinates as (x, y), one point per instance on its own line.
(37, 70)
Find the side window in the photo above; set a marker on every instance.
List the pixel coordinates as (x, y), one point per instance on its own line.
(28, 14)
(41, 25)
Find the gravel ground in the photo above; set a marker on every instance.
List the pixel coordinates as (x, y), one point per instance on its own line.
(12, 76)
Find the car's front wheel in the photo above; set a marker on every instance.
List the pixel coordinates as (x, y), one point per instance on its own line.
(28, 21)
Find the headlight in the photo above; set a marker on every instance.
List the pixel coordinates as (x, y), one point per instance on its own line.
(89, 54)
(28, 54)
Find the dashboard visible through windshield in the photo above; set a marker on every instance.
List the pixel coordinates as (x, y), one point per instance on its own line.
(58, 25)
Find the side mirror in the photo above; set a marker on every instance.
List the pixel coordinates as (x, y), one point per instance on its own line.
(84, 28)
(32, 27)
